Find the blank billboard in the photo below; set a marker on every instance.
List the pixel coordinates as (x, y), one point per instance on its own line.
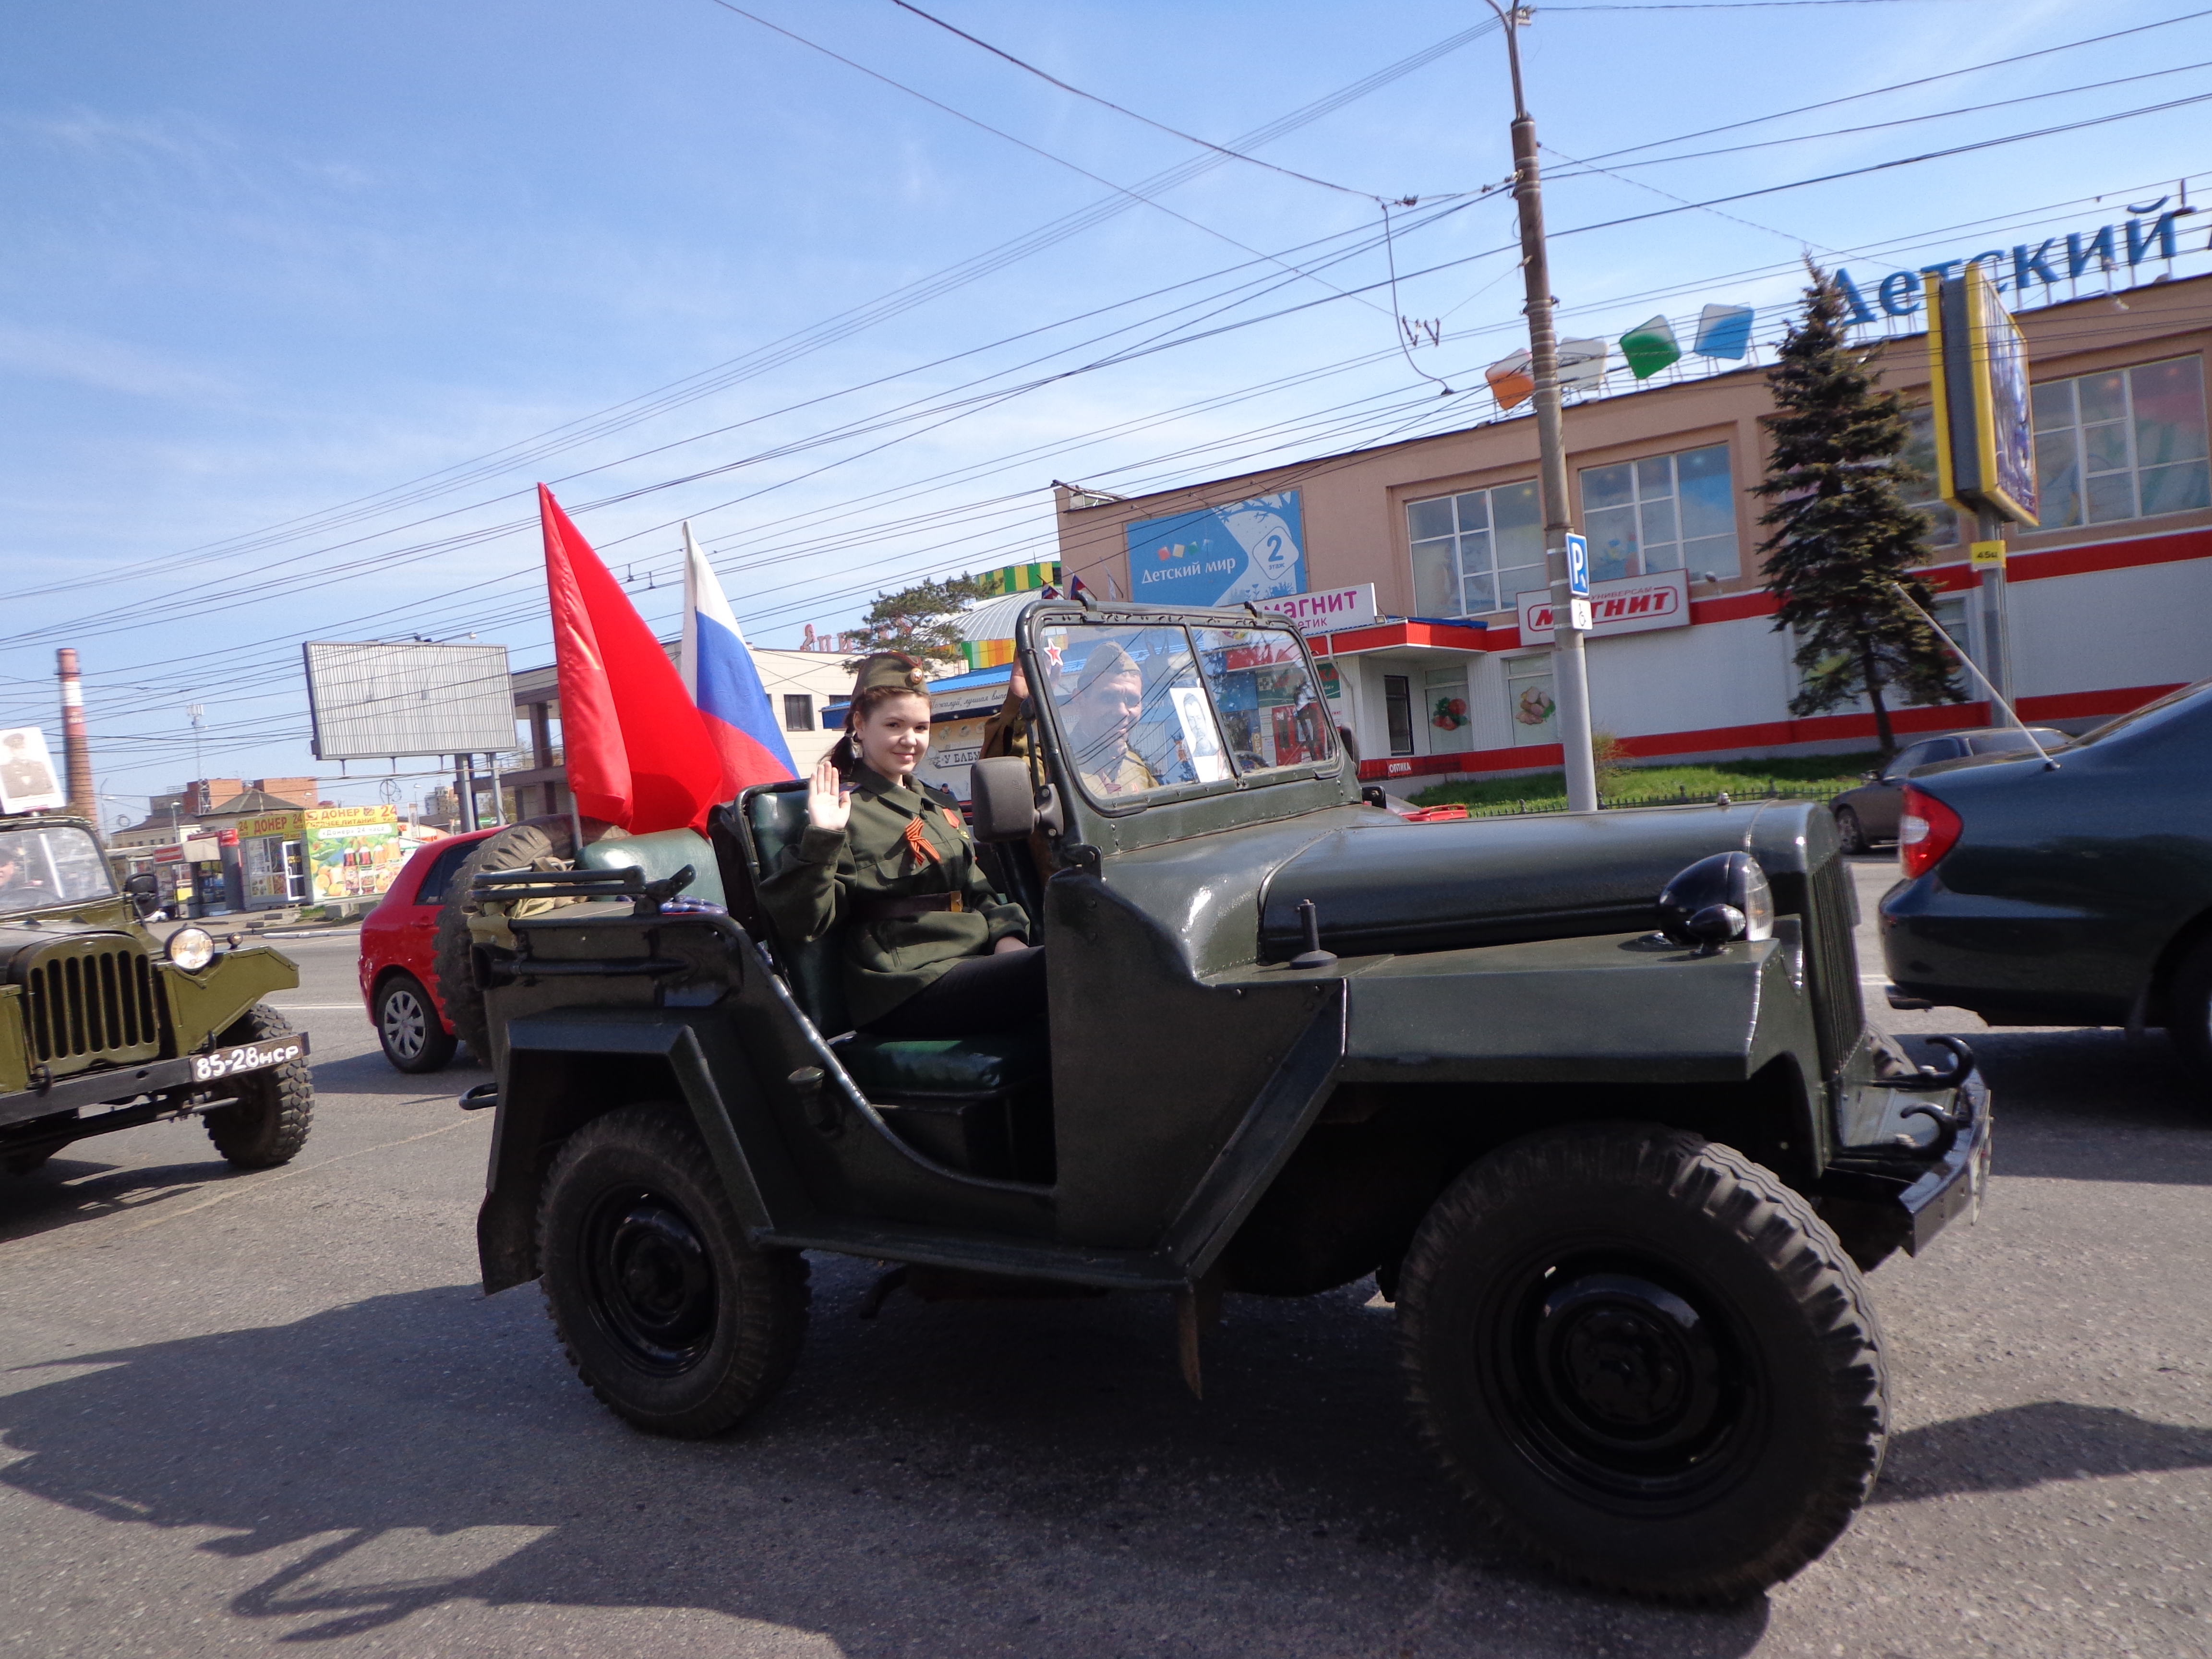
(376, 702)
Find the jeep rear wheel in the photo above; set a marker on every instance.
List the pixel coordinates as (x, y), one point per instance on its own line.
(517, 847)
(668, 1314)
(276, 1106)
(1647, 1359)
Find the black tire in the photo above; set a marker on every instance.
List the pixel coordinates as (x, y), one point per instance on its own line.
(2189, 1015)
(276, 1107)
(414, 1038)
(669, 1314)
(1646, 1359)
(517, 847)
(1851, 832)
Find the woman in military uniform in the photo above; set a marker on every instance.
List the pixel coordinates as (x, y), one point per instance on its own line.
(931, 948)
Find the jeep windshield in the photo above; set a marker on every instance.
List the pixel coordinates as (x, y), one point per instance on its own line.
(56, 865)
(1158, 706)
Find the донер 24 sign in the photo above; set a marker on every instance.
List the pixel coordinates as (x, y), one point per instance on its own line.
(1249, 549)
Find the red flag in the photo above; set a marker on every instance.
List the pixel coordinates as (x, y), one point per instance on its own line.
(638, 754)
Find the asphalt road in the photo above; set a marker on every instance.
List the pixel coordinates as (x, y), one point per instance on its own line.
(242, 1411)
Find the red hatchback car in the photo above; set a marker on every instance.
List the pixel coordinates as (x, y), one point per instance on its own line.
(398, 939)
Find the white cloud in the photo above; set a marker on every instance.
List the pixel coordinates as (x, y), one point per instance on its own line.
(109, 365)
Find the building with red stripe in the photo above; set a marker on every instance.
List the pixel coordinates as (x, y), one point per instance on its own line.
(2108, 604)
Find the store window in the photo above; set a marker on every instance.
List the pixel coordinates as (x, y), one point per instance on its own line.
(1444, 693)
(1475, 551)
(797, 711)
(1664, 513)
(2129, 443)
(1528, 701)
(1398, 708)
(1918, 456)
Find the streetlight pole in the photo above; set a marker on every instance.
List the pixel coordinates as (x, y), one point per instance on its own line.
(1569, 671)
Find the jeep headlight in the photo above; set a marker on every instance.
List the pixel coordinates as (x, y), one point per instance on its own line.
(190, 948)
(1718, 899)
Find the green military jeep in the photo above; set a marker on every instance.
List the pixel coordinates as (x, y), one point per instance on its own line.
(104, 1026)
(1591, 1097)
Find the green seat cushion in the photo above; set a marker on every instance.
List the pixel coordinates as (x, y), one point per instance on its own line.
(948, 1066)
(661, 854)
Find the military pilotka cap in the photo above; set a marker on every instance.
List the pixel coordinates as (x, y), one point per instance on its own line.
(888, 669)
(1106, 661)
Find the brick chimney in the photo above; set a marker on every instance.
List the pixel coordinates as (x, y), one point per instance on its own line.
(77, 754)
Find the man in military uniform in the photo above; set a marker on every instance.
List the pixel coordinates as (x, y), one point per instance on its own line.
(1107, 700)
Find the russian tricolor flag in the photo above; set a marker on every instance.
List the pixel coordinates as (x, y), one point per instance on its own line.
(719, 673)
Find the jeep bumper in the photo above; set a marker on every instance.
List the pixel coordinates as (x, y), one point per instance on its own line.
(1927, 1187)
(189, 1074)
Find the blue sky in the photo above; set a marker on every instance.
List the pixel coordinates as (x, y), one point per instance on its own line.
(270, 263)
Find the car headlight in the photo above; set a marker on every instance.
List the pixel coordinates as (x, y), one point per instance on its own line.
(1718, 899)
(190, 948)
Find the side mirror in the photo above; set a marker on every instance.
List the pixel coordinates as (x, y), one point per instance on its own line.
(144, 890)
(1006, 806)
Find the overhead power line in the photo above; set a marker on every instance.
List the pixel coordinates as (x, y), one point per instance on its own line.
(572, 435)
(1904, 86)
(1108, 103)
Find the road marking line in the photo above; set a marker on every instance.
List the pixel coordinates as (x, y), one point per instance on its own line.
(242, 1190)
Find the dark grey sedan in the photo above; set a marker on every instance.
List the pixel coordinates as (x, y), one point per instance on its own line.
(1870, 813)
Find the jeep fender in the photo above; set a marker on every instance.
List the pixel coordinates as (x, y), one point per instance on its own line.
(567, 1066)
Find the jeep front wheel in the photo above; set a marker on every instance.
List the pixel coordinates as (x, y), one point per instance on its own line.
(1647, 1359)
(671, 1316)
(276, 1106)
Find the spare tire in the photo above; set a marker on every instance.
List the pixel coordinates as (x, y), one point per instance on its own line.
(517, 847)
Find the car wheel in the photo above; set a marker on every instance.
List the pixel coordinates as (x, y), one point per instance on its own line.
(2188, 1014)
(276, 1106)
(669, 1314)
(1646, 1359)
(1851, 832)
(407, 1024)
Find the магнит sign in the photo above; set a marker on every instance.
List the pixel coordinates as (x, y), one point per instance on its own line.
(1630, 605)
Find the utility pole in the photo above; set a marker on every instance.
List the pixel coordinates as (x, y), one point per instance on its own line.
(1996, 647)
(1570, 614)
(196, 713)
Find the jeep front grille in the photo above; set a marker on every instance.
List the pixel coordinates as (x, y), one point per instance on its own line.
(86, 1005)
(1831, 960)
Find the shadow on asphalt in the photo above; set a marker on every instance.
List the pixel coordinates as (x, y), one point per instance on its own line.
(942, 1480)
(372, 1074)
(76, 1183)
(2026, 1446)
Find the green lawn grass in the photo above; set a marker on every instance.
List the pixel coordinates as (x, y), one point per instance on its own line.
(1815, 775)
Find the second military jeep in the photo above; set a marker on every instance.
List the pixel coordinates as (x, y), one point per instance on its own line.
(105, 1027)
(1590, 1097)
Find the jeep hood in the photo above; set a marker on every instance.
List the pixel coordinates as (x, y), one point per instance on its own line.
(1395, 888)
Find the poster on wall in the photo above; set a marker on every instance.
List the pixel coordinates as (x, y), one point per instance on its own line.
(1251, 549)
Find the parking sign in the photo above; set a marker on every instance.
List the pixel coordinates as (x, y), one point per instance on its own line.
(1577, 566)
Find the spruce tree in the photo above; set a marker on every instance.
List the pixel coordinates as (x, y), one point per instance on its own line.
(922, 621)
(1843, 539)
